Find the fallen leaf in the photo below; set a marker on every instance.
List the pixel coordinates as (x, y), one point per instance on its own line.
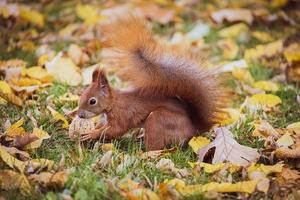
(229, 116)
(157, 13)
(267, 50)
(21, 141)
(211, 168)
(39, 73)
(266, 86)
(15, 129)
(50, 180)
(88, 13)
(69, 97)
(11, 180)
(232, 15)
(39, 163)
(7, 94)
(198, 142)
(285, 141)
(263, 100)
(10, 160)
(262, 36)
(64, 70)
(266, 169)
(229, 47)
(239, 64)
(40, 135)
(227, 149)
(142, 194)
(165, 165)
(234, 31)
(284, 152)
(32, 16)
(199, 31)
(186, 190)
(243, 75)
(264, 129)
(58, 117)
(291, 53)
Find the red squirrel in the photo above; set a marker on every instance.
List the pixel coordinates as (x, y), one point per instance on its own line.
(174, 97)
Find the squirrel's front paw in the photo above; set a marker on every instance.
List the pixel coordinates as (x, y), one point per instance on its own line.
(93, 135)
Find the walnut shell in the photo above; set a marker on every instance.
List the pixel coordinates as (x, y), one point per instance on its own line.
(80, 126)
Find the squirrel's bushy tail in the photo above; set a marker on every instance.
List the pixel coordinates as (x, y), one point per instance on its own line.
(160, 71)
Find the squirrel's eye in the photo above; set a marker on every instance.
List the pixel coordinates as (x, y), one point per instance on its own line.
(92, 101)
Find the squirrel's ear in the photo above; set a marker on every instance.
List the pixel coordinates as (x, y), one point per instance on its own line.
(103, 82)
(95, 75)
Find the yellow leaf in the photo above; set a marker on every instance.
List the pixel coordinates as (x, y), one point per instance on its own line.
(26, 82)
(39, 73)
(10, 160)
(68, 30)
(229, 116)
(32, 16)
(262, 36)
(198, 142)
(58, 117)
(267, 50)
(295, 125)
(292, 52)
(67, 97)
(11, 180)
(234, 30)
(11, 97)
(278, 3)
(229, 47)
(264, 129)
(40, 163)
(266, 86)
(186, 190)
(43, 59)
(41, 135)
(268, 100)
(89, 14)
(15, 129)
(285, 141)
(266, 169)
(64, 70)
(141, 194)
(243, 75)
(5, 88)
(211, 168)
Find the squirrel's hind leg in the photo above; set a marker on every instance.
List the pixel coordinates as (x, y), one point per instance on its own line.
(164, 127)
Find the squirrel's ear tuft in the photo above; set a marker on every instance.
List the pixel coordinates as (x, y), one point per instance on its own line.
(96, 74)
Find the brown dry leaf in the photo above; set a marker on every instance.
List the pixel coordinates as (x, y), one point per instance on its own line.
(50, 180)
(157, 13)
(13, 63)
(232, 15)
(290, 175)
(10, 180)
(14, 151)
(285, 152)
(166, 165)
(40, 135)
(21, 141)
(227, 149)
(157, 153)
(264, 129)
(40, 163)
